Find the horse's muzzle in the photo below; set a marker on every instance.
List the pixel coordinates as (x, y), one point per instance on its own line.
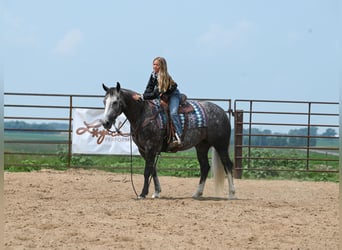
(107, 124)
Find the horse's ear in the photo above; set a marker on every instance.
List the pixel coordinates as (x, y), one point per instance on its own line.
(118, 86)
(105, 87)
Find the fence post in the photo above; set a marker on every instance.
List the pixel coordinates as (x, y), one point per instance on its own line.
(238, 140)
(70, 134)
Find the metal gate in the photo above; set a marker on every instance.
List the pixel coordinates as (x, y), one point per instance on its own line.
(273, 135)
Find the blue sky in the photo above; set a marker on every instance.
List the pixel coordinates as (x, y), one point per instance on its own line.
(257, 49)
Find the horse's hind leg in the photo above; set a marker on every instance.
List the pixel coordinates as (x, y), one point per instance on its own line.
(202, 156)
(228, 167)
(157, 188)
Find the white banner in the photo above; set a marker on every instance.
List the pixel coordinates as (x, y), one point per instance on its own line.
(90, 139)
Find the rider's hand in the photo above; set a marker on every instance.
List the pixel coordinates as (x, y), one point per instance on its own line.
(137, 97)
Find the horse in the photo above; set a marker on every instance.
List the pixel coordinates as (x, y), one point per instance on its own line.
(150, 138)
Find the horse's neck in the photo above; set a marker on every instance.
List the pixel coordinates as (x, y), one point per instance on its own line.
(133, 110)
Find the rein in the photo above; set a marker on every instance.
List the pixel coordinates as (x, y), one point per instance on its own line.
(117, 130)
(154, 167)
(131, 148)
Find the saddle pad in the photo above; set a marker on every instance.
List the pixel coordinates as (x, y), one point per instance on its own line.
(195, 119)
(161, 117)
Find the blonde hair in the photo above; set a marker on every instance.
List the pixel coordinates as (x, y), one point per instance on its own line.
(164, 79)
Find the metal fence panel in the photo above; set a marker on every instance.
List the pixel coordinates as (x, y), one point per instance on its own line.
(258, 125)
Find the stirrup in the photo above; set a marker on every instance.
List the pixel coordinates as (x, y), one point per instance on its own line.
(178, 140)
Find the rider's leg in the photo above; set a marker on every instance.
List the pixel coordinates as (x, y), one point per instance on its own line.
(174, 105)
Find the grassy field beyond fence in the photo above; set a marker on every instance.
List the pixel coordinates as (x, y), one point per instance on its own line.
(29, 157)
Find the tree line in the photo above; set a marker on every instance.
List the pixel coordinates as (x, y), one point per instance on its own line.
(18, 125)
(295, 137)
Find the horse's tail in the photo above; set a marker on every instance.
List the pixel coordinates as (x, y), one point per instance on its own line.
(218, 172)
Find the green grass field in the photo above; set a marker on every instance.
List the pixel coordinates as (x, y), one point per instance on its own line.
(51, 151)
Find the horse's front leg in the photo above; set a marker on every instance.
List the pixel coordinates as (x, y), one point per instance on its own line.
(148, 172)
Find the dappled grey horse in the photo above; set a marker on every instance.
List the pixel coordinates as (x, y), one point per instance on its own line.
(150, 135)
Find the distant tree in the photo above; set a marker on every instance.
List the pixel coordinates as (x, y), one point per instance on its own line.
(266, 138)
(329, 132)
(254, 140)
(302, 140)
(35, 126)
(277, 141)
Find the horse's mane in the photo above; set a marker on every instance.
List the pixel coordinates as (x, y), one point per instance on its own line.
(128, 96)
(128, 91)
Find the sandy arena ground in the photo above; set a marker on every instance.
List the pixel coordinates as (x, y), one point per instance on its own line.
(80, 209)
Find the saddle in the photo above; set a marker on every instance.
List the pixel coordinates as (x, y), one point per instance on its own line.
(184, 106)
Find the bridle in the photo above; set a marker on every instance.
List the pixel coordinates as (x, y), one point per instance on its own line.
(117, 130)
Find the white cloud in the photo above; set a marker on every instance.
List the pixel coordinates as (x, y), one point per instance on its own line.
(69, 42)
(219, 37)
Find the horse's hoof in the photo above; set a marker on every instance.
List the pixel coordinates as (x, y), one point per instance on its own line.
(141, 197)
(197, 195)
(232, 197)
(155, 195)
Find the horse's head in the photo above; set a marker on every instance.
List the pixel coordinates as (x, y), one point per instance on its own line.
(113, 105)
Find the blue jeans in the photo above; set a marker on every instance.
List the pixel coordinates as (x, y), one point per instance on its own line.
(173, 106)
